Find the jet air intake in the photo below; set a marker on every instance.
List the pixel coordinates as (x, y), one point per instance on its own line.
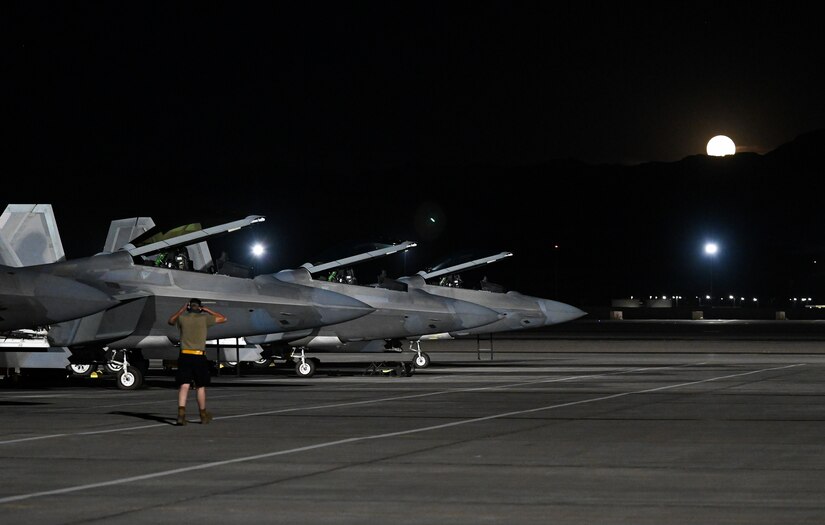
(472, 315)
(337, 308)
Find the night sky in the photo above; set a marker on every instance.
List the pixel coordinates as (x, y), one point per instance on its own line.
(514, 127)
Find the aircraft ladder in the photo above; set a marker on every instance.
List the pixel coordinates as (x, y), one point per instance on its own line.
(488, 341)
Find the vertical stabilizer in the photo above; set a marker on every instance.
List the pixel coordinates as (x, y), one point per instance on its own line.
(29, 236)
(124, 231)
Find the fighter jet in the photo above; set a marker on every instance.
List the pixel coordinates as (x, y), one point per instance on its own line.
(122, 299)
(517, 311)
(398, 313)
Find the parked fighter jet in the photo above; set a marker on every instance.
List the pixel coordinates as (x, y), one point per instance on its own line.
(398, 312)
(121, 300)
(517, 311)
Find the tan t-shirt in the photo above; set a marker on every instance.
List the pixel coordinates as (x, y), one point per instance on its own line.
(193, 330)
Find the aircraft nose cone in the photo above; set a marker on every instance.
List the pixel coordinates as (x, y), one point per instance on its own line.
(335, 308)
(557, 312)
(471, 315)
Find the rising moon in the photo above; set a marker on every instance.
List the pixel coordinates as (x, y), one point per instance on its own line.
(720, 145)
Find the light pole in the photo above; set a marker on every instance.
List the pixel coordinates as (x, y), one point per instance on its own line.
(556, 273)
(711, 249)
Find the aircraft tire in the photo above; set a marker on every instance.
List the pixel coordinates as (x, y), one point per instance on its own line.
(422, 361)
(263, 362)
(81, 370)
(130, 380)
(112, 368)
(306, 369)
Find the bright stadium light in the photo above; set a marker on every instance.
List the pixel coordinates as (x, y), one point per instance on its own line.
(711, 249)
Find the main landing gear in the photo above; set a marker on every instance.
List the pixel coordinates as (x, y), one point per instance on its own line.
(128, 366)
(399, 364)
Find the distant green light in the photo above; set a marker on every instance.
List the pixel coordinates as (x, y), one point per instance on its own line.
(432, 219)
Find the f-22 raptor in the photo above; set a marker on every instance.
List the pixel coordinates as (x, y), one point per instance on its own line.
(399, 313)
(474, 312)
(518, 311)
(121, 300)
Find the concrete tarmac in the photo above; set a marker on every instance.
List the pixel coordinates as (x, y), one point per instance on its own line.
(550, 430)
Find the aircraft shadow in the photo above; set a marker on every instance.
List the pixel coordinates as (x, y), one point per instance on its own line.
(215, 385)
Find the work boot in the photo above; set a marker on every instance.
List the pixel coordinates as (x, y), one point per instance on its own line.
(206, 417)
(182, 416)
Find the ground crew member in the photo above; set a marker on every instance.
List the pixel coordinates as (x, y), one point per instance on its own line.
(193, 319)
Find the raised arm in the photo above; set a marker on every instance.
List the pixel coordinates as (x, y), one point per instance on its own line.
(174, 319)
(219, 318)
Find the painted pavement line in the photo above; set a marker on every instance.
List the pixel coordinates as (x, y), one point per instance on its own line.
(351, 403)
(214, 464)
